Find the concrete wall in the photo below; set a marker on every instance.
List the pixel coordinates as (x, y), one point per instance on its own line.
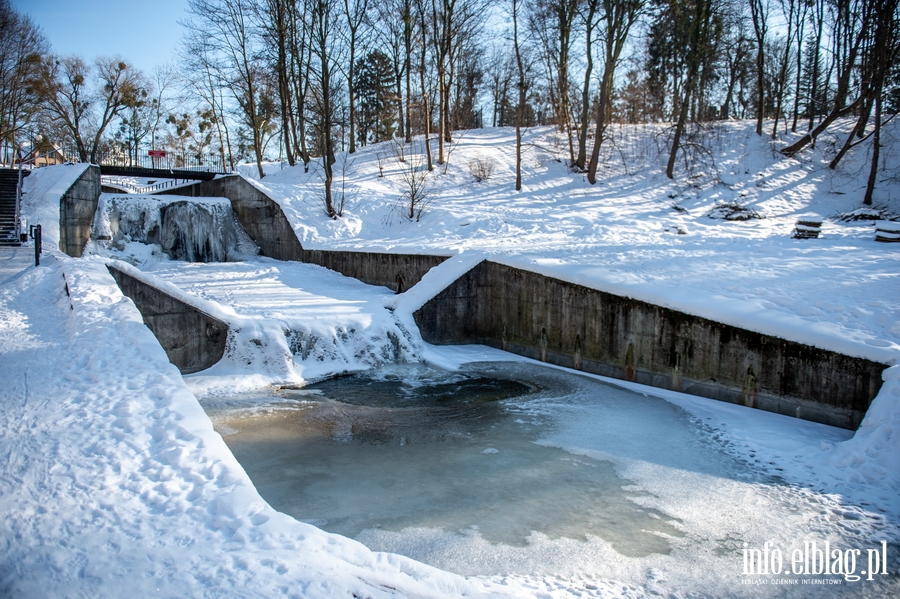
(577, 327)
(265, 223)
(76, 212)
(260, 215)
(193, 340)
(398, 272)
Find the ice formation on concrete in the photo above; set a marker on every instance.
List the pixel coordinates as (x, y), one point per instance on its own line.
(190, 229)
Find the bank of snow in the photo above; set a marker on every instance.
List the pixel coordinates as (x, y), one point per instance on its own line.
(42, 191)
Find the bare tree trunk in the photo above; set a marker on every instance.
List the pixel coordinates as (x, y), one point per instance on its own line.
(876, 152)
(801, 25)
(602, 118)
(586, 90)
(618, 19)
(426, 112)
(781, 83)
(521, 85)
(757, 11)
(407, 66)
(355, 12)
(322, 39)
(843, 88)
(811, 106)
(702, 18)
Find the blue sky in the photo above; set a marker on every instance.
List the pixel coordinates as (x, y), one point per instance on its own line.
(145, 33)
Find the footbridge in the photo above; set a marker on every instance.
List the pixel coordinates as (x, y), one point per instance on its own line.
(158, 164)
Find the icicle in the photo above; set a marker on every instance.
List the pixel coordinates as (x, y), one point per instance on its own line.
(185, 228)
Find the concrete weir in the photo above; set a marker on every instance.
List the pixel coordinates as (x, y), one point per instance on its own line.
(265, 222)
(559, 323)
(581, 328)
(193, 340)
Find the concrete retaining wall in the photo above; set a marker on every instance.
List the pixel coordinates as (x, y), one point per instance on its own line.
(193, 340)
(398, 272)
(569, 325)
(265, 223)
(260, 215)
(76, 212)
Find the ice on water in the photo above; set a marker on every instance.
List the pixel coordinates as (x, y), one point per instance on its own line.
(526, 470)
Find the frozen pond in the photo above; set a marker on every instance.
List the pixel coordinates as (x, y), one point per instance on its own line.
(512, 468)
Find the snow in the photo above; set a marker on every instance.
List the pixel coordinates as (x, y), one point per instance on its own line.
(41, 193)
(838, 292)
(289, 322)
(115, 483)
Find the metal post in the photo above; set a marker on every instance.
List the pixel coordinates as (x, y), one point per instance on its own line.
(35, 232)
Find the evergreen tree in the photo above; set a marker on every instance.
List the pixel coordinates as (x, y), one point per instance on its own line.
(374, 87)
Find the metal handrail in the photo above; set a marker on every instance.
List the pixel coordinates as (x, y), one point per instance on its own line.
(19, 205)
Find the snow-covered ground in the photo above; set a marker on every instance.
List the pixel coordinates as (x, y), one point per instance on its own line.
(115, 483)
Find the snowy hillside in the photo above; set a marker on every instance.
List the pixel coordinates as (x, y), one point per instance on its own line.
(636, 233)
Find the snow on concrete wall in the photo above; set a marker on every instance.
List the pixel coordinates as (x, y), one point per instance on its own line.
(570, 325)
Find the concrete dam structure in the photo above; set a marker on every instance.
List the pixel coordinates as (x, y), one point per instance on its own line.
(577, 327)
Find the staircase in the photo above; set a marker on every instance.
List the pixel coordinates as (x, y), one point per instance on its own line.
(9, 226)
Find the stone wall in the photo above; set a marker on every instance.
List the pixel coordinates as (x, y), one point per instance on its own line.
(573, 326)
(193, 340)
(76, 212)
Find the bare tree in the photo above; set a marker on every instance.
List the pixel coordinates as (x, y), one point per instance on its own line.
(553, 21)
(415, 196)
(325, 48)
(300, 65)
(206, 75)
(227, 28)
(454, 23)
(789, 8)
(394, 27)
(21, 48)
(855, 21)
(699, 27)
(736, 65)
(521, 86)
(82, 112)
(423, 64)
(275, 18)
(618, 18)
(354, 12)
(590, 23)
(759, 11)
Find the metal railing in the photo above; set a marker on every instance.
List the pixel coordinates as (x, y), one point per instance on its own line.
(207, 163)
(183, 161)
(169, 183)
(19, 207)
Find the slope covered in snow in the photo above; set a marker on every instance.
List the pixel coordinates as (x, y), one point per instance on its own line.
(638, 234)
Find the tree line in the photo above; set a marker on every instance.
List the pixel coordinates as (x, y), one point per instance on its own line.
(300, 80)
